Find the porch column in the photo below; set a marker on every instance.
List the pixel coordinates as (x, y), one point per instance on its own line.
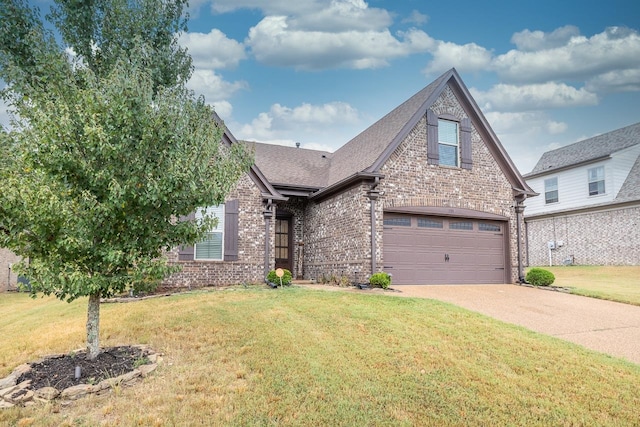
(268, 214)
(519, 207)
(373, 195)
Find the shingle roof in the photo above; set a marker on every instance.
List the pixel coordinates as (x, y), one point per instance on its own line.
(630, 190)
(588, 149)
(365, 153)
(320, 168)
(363, 150)
(290, 165)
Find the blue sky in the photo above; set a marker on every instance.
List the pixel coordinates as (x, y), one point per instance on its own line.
(545, 73)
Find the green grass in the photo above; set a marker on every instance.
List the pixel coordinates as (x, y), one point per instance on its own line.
(615, 283)
(297, 357)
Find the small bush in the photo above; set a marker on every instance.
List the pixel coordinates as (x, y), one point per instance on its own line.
(382, 280)
(540, 277)
(286, 277)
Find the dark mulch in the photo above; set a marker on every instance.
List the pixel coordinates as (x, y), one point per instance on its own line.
(59, 371)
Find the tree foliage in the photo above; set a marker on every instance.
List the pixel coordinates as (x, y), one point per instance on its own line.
(107, 149)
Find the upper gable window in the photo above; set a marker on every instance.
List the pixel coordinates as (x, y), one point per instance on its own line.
(448, 142)
(551, 190)
(596, 180)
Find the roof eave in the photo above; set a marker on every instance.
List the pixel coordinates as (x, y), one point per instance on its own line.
(344, 183)
(567, 167)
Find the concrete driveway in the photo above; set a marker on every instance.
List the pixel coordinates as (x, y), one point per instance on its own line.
(605, 326)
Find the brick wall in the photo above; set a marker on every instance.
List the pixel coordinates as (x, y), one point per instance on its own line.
(251, 236)
(606, 237)
(411, 181)
(8, 279)
(338, 236)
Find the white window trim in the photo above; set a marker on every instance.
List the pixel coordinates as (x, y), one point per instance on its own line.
(219, 229)
(557, 190)
(604, 181)
(457, 144)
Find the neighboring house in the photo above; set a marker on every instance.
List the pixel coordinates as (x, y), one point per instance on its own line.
(588, 211)
(8, 279)
(427, 193)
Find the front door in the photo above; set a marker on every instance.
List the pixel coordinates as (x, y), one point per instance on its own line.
(284, 237)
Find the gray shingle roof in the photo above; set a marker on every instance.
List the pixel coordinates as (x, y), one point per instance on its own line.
(366, 153)
(363, 150)
(630, 190)
(321, 169)
(588, 149)
(291, 165)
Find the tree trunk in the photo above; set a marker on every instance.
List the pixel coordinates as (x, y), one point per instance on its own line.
(93, 326)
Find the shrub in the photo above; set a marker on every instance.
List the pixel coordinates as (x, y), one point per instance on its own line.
(540, 277)
(382, 280)
(286, 277)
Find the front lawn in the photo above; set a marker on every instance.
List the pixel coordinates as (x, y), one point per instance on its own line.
(308, 358)
(615, 283)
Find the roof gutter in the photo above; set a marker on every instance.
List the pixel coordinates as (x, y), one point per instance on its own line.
(344, 183)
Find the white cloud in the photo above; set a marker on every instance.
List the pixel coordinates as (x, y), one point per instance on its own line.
(469, 57)
(579, 58)
(212, 86)
(616, 81)
(274, 42)
(213, 50)
(531, 41)
(316, 126)
(526, 135)
(415, 17)
(503, 97)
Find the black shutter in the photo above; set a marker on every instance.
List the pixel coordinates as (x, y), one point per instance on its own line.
(433, 157)
(185, 252)
(465, 143)
(231, 230)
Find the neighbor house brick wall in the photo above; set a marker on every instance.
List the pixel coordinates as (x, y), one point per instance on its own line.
(410, 181)
(8, 279)
(338, 236)
(605, 237)
(249, 268)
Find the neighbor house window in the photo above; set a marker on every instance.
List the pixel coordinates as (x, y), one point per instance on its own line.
(596, 181)
(212, 247)
(448, 142)
(551, 190)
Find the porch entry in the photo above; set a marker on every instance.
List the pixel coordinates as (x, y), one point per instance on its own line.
(284, 241)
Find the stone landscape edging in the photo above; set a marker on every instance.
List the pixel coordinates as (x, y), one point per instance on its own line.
(13, 393)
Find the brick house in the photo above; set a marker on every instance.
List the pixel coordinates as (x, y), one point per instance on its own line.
(427, 193)
(589, 209)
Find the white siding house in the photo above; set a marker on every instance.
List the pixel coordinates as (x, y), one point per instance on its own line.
(588, 210)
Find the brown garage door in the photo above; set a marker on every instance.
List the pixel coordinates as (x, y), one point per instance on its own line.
(423, 250)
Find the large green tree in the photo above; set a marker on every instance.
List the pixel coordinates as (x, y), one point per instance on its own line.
(107, 150)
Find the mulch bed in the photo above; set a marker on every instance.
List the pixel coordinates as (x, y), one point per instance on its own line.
(59, 371)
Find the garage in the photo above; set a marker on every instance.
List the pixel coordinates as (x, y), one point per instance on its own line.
(430, 250)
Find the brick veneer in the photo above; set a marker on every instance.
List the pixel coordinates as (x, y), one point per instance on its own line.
(338, 236)
(604, 237)
(411, 181)
(337, 230)
(251, 234)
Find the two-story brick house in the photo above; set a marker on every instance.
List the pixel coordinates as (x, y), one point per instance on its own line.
(589, 208)
(427, 193)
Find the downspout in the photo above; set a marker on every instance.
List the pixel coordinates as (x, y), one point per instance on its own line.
(373, 195)
(268, 214)
(519, 210)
